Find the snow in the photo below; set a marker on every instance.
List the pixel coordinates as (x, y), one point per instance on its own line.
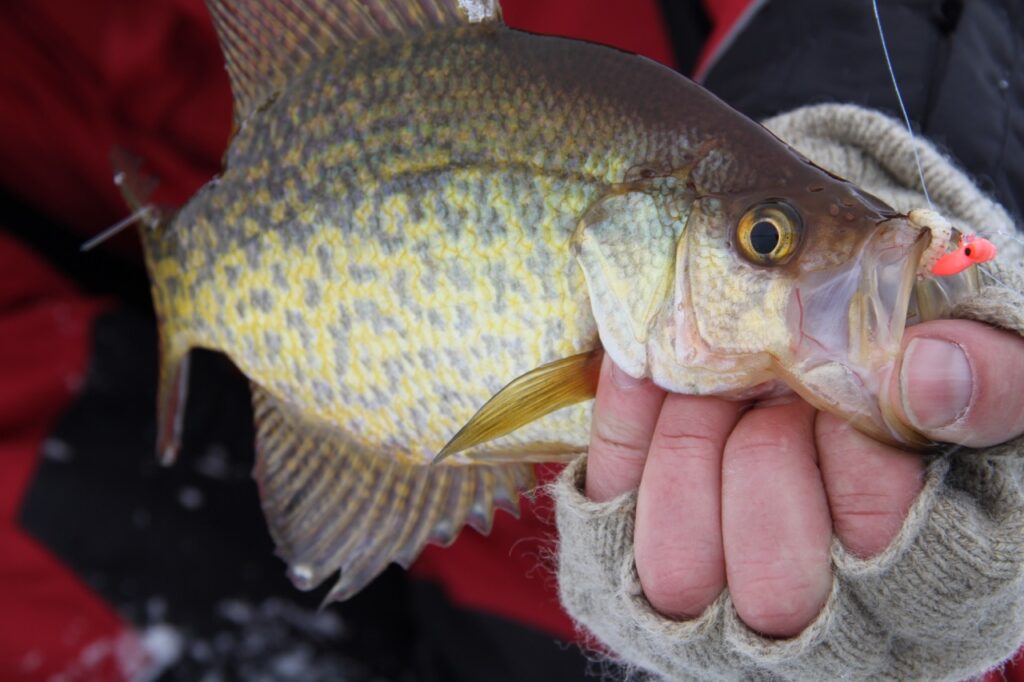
(56, 450)
(164, 644)
(214, 463)
(479, 10)
(273, 639)
(191, 497)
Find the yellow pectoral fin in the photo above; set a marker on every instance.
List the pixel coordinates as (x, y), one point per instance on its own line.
(526, 399)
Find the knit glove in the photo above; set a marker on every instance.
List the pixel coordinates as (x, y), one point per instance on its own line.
(945, 601)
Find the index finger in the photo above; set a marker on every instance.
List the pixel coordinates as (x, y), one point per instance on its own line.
(625, 412)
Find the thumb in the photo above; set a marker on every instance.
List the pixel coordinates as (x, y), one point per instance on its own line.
(961, 382)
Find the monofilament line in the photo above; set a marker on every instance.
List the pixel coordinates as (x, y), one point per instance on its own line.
(106, 234)
(899, 98)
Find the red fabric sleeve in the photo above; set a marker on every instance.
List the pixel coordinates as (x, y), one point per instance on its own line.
(51, 623)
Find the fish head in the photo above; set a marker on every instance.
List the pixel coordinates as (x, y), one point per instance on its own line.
(804, 287)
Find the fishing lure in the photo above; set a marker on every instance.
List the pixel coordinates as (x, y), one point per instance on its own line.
(971, 250)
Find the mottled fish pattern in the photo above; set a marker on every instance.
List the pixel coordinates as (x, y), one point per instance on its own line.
(389, 242)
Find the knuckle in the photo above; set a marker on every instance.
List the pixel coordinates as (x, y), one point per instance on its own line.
(616, 437)
(683, 589)
(865, 523)
(687, 443)
(759, 449)
(747, 456)
(780, 605)
(858, 504)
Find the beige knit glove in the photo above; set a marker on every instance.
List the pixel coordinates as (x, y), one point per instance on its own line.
(945, 600)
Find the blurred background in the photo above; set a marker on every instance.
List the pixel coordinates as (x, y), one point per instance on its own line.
(111, 566)
(114, 568)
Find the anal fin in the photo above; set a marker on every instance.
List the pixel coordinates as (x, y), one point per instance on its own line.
(331, 504)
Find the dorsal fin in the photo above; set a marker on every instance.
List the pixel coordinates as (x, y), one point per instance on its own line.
(268, 42)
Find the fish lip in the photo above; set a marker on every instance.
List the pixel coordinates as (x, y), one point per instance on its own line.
(887, 280)
(881, 339)
(847, 365)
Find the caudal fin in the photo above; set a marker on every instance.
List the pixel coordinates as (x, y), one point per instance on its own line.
(331, 505)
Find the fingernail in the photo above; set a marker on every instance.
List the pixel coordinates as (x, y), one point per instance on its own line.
(622, 380)
(935, 383)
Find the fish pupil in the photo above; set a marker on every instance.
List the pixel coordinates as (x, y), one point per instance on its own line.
(764, 237)
(967, 251)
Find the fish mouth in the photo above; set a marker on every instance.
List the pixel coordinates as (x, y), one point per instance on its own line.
(934, 297)
(849, 324)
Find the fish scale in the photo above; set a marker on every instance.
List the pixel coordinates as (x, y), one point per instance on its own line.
(438, 206)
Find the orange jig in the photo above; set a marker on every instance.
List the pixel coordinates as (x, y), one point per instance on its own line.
(971, 250)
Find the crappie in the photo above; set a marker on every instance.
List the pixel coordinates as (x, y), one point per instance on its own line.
(420, 205)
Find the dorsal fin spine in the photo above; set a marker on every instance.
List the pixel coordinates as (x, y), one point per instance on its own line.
(266, 43)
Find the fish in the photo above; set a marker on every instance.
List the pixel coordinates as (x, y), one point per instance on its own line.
(428, 230)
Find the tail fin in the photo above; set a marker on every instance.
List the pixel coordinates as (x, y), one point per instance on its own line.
(137, 190)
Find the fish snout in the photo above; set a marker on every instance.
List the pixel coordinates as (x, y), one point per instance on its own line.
(850, 323)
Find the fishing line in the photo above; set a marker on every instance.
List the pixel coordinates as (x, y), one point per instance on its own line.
(106, 234)
(985, 271)
(899, 98)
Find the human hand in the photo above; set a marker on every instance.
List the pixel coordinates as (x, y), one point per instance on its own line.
(749, 498)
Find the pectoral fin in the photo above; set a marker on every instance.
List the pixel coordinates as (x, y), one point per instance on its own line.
(526, 399)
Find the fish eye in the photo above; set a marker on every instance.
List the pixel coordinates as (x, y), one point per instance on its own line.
(764, 237)
(769, 233)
